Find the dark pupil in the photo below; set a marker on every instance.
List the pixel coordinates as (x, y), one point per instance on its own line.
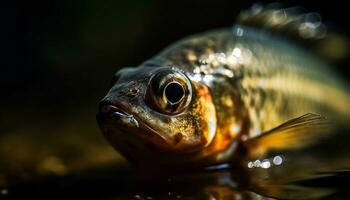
(174, 92)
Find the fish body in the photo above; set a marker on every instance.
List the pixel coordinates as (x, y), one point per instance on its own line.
(195, 102)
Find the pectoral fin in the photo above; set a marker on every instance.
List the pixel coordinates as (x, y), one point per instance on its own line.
(295, 133)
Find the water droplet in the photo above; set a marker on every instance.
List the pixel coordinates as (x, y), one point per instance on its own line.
(277, 160)
(236, 52)
(257, 163)
(236, 128)
(208, 79)
(231, 60)
(220, 57)
(265, 164)
(196, 70)
(278, 17)
(238, 31)
(250, 165)
(203, 62)
(223, 71)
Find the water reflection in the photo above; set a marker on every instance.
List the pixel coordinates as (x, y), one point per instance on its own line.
(314, 172)
(306, 173)
(266, 163)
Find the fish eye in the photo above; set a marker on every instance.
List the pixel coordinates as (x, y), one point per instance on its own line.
(174, 92)
(169, 91)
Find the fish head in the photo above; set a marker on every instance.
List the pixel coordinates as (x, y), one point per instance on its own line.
(157, 110)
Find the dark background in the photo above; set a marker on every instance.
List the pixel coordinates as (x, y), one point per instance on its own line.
(57, 59)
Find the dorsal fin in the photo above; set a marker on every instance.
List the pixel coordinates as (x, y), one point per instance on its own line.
(299, 25)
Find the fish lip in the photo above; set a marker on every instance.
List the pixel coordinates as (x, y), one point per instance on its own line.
(109, 107)
(109, 110)
(116, 113)
(112, 113)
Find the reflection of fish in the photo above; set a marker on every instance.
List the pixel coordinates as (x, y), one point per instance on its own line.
(199, 99)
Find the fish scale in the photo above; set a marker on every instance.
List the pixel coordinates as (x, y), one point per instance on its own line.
(278, 72)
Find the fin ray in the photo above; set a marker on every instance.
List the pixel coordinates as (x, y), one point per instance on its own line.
(295, 133)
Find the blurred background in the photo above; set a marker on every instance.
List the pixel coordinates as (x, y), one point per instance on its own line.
(57, 60)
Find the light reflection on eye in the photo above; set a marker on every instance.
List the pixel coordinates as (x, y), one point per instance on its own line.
(266, 163)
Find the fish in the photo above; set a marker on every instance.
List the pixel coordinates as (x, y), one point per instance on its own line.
(217, 94)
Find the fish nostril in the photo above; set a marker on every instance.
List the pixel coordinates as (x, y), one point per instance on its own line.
(129, 92)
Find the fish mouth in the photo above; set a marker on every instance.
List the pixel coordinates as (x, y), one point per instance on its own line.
(117, 114)
(114, 119)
